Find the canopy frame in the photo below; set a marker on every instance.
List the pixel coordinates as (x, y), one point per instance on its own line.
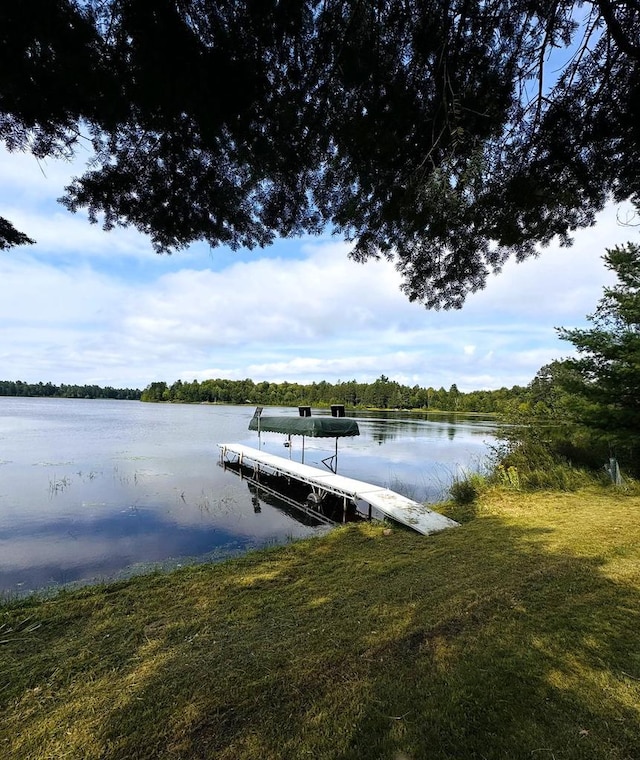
(314, 427)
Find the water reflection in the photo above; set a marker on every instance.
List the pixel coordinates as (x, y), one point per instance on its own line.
(384, 427)
(290, 497)
(97, 488)
(61, 552)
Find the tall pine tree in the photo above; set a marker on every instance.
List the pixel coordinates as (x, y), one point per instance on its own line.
(604, 379)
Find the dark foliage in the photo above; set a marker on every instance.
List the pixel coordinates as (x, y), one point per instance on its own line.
(381, 394)
(10, 236)
(604, 380)
(432, 133)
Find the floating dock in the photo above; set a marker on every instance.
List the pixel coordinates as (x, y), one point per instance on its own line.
(391, 504)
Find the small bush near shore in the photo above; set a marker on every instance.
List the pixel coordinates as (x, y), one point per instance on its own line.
(465, 490)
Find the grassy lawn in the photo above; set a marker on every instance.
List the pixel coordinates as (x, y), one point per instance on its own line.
(516, 635)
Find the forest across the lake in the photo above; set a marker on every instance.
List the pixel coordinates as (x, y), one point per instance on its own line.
(384, 393)
(381, 394)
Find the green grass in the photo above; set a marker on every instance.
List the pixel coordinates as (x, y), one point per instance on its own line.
(516, 635)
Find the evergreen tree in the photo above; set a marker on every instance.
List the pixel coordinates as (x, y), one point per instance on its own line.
(604, 379)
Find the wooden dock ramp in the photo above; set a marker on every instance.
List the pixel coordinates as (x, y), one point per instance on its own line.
(406, 511)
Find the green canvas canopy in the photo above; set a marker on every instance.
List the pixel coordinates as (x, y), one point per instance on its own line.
(314, 427)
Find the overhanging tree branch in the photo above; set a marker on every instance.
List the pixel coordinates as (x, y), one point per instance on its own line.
(403, 125)
(11, 237)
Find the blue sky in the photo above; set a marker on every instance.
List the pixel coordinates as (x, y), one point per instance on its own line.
(88, 306)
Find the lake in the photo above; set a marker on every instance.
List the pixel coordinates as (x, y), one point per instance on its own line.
(94, 490)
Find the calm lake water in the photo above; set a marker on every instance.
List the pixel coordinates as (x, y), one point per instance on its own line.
(93, 490)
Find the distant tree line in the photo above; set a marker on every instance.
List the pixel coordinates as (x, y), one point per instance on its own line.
(19, 388)
(381, 394)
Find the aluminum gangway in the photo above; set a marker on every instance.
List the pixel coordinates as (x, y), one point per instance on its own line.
(391, 504)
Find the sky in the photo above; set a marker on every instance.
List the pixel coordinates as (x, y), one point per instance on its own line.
(85, 306)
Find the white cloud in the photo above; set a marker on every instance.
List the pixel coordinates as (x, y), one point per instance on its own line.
(86, 306)
(29, 189)
(32, 179)
(324, 296)
(63, 233)
(271, 319)
(561, 282)
(33, 293)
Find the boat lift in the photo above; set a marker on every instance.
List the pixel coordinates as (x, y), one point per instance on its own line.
(336, 426)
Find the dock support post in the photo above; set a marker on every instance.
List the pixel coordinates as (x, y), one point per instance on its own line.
(344, 508)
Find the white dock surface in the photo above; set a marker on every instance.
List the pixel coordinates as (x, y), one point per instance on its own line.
(406, 511)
